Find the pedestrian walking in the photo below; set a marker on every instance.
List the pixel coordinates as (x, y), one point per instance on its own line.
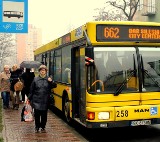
(5, 86)
(14, 78)
(27, 78)
(40, 92)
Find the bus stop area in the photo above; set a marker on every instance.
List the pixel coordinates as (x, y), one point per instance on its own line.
(15, 130)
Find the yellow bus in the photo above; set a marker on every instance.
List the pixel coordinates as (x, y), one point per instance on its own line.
(107, 73)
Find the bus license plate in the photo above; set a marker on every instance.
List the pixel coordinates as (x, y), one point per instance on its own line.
(142, 122)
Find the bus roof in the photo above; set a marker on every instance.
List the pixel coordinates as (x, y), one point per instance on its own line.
(130, 32)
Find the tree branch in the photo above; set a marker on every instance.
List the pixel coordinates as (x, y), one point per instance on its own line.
(128, 8)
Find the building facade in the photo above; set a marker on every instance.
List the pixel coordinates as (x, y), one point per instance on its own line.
(148, 10)
(27, 43)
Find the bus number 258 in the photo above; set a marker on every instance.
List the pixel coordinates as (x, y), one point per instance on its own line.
(122, 113)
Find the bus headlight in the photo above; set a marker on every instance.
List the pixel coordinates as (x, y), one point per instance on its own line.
(103, 115)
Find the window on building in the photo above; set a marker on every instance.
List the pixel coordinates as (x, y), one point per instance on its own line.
(151, 6)
(140, 5)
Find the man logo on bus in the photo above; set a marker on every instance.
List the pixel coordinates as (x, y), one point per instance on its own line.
(141, 110)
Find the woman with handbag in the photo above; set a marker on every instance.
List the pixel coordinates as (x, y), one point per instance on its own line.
(15, 77)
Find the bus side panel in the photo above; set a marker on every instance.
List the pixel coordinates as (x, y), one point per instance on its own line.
(58, 94)
(150, 98)
(58, 102)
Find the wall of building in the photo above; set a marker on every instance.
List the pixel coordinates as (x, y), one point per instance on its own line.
(156, 17)
(20, 46)
(147, 11)
(27, 43)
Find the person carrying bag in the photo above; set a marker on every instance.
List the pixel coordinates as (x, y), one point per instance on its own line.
(39, 96)
(14, 78)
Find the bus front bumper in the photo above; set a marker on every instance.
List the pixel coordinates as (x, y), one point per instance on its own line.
(124, 123)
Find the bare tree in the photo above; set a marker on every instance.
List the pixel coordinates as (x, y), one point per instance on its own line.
(104, 14)
(128, 7)
(7, 47)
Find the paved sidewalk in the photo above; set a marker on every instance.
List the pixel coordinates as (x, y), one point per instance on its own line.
(17, 131)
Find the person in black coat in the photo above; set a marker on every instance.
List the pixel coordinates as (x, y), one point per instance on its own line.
(14, 78)
(40, 92)
(27, 78)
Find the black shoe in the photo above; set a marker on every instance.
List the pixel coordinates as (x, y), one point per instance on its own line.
(14, 106)
(4, 107)
(36, 130)
(43, 130)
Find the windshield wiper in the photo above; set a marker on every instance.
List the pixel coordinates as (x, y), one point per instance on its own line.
(120, 88)
(152, 78)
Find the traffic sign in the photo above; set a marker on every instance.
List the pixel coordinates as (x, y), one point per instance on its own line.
(14, 17)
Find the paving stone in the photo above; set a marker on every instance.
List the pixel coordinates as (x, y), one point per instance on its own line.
(17, 131)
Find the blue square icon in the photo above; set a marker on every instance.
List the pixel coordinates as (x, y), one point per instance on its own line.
(153, 110)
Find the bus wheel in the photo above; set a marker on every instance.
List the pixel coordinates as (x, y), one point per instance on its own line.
(66, 109)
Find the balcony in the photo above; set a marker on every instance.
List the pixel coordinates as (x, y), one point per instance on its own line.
(149, 11)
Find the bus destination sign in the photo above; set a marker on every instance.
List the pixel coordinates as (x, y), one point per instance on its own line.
(120, 33)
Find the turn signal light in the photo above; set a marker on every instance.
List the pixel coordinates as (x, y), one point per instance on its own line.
(91, 115)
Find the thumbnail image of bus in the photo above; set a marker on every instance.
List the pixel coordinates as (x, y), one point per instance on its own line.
(10, 14)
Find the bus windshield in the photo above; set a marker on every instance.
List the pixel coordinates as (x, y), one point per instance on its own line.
(150, 68)
(117, 69)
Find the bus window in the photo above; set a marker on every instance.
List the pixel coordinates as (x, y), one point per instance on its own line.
(51, 67)
(151, 67)
(66, 64)
(58, 66)
(112, 67)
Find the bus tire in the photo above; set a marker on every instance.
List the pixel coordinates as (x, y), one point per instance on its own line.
(66, 109)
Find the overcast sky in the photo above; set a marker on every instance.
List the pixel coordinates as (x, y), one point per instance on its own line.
(56, 17)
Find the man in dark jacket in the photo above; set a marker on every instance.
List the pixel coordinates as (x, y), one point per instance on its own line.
(27, 78)
(39, 97)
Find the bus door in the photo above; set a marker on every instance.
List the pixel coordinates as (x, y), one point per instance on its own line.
(78, 83)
